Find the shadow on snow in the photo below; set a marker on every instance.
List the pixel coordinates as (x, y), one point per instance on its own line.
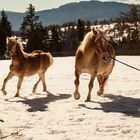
(119, 104)
(41, 104)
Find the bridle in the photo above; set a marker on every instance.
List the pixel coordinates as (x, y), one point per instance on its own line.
(105, 56)
(10, 51)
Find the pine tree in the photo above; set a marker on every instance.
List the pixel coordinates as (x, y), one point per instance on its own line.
(134, 18)
(56, 42)
(5, 30)
(88, 26)
(33, 30)
(81, 29)
(130, 22)
(127, 30)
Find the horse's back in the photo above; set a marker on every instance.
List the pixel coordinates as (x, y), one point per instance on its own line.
(44, 57)
(37, 61)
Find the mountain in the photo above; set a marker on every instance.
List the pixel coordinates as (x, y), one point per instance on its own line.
(16, 19)
(87, 10)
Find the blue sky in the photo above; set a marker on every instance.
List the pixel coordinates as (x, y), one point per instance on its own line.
(22, 5)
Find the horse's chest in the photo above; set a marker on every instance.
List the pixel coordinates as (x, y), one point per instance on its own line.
(94, 64)
(12, 68)
(15, 68)
(86, 70)
(88, 67)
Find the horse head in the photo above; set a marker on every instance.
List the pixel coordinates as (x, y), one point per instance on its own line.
(101, 43)
(13, 44)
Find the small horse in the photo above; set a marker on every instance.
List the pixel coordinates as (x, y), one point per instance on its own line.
(94, 57)
(26, 64)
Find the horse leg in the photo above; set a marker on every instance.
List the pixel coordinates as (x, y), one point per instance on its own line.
(20, 80)
(76, 82)
(42, 76)
(36, 84)
(90, 86)
(9, 76)
(102, 80)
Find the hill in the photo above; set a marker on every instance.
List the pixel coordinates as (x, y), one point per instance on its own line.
(87, 10)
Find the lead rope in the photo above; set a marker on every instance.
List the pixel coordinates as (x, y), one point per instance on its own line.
(124, 63)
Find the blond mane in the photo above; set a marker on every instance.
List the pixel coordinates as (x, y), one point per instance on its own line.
(91, 38)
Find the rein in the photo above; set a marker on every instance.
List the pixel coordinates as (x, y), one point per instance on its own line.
(105, 58)
(125, 63)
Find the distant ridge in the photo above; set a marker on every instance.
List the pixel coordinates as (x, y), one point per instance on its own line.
(87, 10)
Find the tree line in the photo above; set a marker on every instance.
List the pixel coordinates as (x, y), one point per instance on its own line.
(64, 39)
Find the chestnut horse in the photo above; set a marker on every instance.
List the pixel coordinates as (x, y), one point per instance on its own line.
(94, 57)
(26, 64)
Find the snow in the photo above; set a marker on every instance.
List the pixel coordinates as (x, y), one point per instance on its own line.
(59, 116)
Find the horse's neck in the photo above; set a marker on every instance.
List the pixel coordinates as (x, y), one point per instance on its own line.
(89, 50)
(19, 55)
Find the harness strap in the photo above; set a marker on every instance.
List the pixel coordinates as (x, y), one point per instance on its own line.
(124, 63)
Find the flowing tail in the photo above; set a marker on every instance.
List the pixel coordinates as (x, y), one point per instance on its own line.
(51, 58)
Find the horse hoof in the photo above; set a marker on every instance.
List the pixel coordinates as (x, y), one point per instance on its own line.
(4, 92)
(99, 93)
(87, 100)
(33, 91)
(17, 95)
(77, 96)
(45, 91)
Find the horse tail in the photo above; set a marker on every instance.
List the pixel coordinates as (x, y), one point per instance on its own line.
(50, 58)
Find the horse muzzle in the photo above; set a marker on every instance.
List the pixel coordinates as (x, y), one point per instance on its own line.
(105, 57)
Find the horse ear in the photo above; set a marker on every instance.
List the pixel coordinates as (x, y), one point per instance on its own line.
(98, 35)
(24, 42)
(16, 38)
(94, 31)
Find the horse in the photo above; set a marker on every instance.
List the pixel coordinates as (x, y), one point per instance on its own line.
(26, 64)
(94, 56)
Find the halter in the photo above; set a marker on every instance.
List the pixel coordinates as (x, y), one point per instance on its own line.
(105, 56)
(11, 53)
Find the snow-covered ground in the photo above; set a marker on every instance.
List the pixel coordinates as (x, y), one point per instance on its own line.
(58, 116)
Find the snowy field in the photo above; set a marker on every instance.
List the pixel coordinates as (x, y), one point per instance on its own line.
(58, 116)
